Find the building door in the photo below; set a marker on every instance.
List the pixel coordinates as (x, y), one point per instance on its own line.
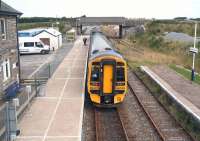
(46, 41)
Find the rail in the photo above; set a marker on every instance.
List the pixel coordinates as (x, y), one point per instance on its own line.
(186, 104)
(99, 126)
(130, 45)
(147, 101)
(147, 114)
(170, 92)
(122, 124)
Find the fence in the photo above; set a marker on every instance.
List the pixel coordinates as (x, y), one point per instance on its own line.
(30, 87)
(2, 121)
(8, 121)
(9, 112)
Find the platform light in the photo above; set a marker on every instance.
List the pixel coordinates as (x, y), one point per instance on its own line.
(194, 50)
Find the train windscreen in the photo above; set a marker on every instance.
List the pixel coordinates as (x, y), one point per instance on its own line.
(95, 76)
(120, 74)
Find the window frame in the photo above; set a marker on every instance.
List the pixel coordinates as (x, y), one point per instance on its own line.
(6, 69)
(29, 44)
(119, 71)
(3, 35)
(97, 70)
(42, 46)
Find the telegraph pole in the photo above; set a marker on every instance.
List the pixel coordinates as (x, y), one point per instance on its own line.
(194, 50)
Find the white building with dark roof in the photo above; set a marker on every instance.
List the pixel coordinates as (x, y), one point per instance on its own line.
(49, 36)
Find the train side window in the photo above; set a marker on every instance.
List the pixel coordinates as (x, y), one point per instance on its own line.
(95, 74)
(120, 74)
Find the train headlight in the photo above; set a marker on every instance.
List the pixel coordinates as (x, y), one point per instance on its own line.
(119, 99)
(120, 83)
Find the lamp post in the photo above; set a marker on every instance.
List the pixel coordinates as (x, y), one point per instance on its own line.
(194, 50)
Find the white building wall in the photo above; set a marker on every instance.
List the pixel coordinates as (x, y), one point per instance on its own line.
(55, 42)
(60, 40)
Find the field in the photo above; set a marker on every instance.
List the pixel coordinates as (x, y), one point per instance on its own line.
(63, 27)
(24, 26)
(149, 48)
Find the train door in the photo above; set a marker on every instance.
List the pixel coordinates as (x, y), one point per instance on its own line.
(108, 77)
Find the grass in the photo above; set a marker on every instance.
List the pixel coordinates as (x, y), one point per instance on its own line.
(24, 26)
(63, 28)
(158, 50)
(145, 56)
(184, 72)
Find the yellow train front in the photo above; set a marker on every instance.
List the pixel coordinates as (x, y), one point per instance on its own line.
(107, 72)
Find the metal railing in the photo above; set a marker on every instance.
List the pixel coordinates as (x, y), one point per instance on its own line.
(2, 121)
(30, 88)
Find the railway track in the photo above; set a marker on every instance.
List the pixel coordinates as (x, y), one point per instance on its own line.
(109, 126)
(129, 45)
(164, 124)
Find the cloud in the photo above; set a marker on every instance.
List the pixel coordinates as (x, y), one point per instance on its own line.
(127, 8)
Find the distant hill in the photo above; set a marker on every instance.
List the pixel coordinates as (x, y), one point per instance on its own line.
(70, 21)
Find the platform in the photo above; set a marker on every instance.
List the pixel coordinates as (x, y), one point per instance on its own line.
(181, 98)
(57, 116)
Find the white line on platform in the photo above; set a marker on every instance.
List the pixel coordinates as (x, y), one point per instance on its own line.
(55, 98)
(72, 59)
(83, 96)
(80, 78)
(58, 103)
(51, 137)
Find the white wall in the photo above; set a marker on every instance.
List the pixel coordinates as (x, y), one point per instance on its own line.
(60, 40)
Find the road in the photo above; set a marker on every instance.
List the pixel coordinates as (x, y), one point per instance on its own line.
(37, 64)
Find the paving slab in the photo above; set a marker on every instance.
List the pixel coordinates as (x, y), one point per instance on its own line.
(57, 116)
(36, 119)
(73, 88)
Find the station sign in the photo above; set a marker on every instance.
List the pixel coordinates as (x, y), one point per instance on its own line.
(194, 50)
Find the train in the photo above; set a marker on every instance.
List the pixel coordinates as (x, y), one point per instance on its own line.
(107, 72)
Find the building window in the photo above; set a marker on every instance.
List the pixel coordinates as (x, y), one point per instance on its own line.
(3, 29)
(6, 69)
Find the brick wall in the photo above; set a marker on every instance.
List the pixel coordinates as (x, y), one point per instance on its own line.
(9, 50)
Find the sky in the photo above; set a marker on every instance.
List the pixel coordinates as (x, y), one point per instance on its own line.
(159, 9)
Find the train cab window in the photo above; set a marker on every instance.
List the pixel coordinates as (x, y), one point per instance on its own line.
(95, 74)
(120, 74)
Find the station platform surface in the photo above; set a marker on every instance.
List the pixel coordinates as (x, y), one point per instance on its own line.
(186, 88)
(57, 116)
(182, 90)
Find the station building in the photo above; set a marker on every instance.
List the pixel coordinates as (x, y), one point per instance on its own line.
(9, 58)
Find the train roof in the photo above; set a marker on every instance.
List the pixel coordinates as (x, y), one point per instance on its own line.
(101, 46)
(106, 53)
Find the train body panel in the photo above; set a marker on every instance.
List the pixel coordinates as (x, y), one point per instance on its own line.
(107, 72)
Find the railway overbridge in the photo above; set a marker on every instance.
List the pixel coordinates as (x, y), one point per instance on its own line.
(121, 21)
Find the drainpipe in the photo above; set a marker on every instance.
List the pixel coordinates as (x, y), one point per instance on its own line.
(18, 54)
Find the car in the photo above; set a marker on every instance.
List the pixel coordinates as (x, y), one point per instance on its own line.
(31, 45)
